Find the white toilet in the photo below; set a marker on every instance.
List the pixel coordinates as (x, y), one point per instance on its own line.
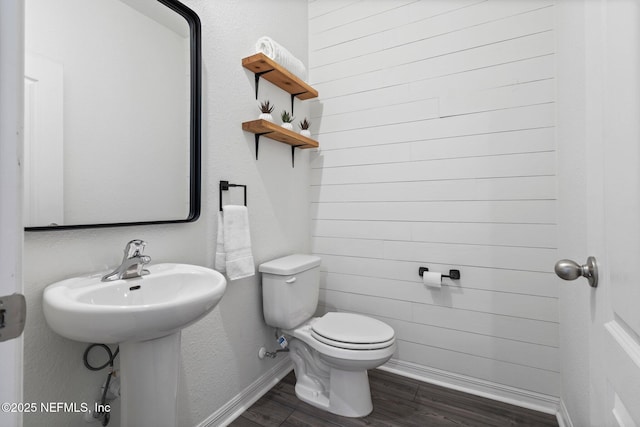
(332, 353)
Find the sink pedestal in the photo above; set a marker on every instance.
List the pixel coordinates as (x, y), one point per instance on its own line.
(149, 381)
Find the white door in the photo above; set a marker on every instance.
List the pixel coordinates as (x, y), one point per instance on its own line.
(11, 87)
(43, 142)
(599, 208)
(618, 335)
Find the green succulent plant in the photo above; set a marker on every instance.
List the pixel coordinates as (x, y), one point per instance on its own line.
(286, 117)
(266, 107)
(304, 125)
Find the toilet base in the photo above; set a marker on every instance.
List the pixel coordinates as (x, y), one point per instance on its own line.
(349, 394)
(341, 392)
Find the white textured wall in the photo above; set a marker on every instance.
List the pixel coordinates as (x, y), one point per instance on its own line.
(436, 123)
(219, 353)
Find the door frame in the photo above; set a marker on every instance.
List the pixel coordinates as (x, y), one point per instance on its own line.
(11, 228)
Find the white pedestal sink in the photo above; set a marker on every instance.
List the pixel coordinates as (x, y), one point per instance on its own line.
(145, 315)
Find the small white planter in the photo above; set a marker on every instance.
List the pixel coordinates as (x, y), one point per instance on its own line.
(266, 116)
(305, 132)
(287, 126)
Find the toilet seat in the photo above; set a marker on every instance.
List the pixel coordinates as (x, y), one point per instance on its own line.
(336, 349)
(352, 332)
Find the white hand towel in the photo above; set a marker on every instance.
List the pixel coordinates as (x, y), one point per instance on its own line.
(237, 242)
(221, 257)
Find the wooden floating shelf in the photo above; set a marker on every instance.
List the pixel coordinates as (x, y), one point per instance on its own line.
(268, 69)
(278, 133)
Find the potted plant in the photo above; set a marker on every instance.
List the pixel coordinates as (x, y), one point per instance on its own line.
(266, 108)
(287, 120)
(304, 128)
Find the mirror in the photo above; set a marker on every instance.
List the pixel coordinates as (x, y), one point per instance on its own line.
(112, 113)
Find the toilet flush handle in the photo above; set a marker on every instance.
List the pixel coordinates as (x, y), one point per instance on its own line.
(292, 280)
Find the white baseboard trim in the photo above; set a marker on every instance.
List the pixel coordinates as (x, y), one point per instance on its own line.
(564, 420)
(247, 397)
(512, 395)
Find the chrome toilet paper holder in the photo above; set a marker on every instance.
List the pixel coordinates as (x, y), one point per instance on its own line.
(453, 274)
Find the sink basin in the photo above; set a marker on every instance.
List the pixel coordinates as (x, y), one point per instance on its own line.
(161, 303)
(145, 316)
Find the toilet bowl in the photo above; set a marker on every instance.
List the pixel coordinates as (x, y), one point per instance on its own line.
(331, 371)
(332, 353)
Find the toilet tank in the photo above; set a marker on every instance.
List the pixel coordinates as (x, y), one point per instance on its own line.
(290, 287)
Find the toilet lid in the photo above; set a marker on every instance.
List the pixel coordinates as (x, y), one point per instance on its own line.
(353, 331)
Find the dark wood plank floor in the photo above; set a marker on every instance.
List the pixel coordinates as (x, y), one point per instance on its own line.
(397, 401)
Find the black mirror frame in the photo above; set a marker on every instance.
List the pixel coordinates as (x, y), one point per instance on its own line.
(195, 129)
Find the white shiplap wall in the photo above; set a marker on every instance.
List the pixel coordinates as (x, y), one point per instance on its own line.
(436, 126)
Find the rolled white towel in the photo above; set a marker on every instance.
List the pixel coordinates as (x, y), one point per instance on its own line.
(282, 56)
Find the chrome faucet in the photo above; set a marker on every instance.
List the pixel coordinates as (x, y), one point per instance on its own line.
(132, 264)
